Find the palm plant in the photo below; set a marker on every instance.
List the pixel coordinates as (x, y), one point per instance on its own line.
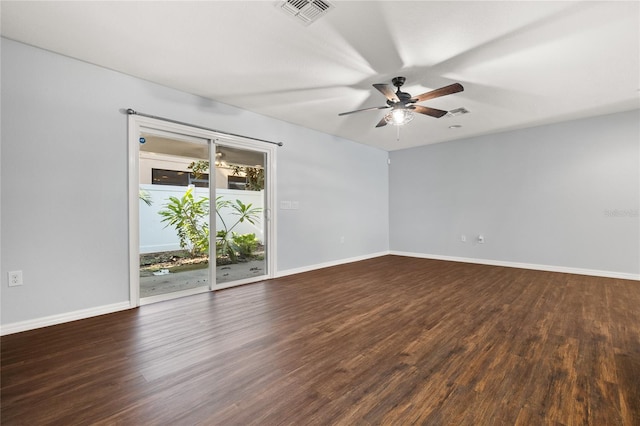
(189, 217)
(145, 196)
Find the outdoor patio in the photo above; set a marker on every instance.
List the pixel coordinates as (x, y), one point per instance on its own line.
(154, 285)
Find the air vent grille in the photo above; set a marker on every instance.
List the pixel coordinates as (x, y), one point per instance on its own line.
(457, 111)
(306, 11)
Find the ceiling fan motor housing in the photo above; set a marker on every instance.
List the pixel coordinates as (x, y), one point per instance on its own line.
(403, 96)
(398, 81)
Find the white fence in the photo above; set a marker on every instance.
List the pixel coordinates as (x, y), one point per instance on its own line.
(155, 237)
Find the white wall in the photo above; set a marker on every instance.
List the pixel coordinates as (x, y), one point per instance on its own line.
(563, 195)
(62, 133)
(356, 212)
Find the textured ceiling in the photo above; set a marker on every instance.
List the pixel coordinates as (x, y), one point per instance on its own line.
(522, 63)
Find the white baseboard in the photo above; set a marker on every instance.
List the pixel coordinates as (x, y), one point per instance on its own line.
(107, 309)
(536, 267)
(17, 327)
(329, 264)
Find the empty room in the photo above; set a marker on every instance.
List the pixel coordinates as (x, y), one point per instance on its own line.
(419, 212)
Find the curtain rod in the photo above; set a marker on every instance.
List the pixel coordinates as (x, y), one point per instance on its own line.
(130, 111)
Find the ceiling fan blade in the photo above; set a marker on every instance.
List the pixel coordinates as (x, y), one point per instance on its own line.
(365, 109)
(382, 122)
(437, 113)
(443, 91)
(387, 91)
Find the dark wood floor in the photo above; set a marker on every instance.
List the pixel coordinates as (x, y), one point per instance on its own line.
(390, 340)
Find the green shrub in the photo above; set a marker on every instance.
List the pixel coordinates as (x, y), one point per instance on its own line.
(245, 244)
(225, 245)
(189, 217)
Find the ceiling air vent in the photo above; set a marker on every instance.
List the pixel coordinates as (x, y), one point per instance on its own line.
(306, 11)
(457, 111)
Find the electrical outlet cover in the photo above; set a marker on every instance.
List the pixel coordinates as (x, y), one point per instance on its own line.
(15, 278)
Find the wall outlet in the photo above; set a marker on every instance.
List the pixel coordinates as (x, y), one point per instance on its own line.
(15, 278)
(463, 238)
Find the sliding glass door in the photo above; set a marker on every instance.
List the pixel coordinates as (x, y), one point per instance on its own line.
(241, 221)
(199, 214)
(173, 215)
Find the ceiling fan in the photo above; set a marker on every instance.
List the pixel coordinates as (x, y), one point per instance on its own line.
(402, 104)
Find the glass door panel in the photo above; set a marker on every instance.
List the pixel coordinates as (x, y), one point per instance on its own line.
(241, 222)
(173, 215)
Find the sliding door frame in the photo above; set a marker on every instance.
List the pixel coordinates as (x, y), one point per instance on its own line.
(138, 124)
(269, 151)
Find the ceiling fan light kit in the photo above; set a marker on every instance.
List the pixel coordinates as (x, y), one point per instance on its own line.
(399, 116)
(404, 105)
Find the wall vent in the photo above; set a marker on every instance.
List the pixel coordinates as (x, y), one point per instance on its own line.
(306, 11)
(457, 111)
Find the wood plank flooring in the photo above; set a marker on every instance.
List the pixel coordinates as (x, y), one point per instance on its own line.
(390, 340)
